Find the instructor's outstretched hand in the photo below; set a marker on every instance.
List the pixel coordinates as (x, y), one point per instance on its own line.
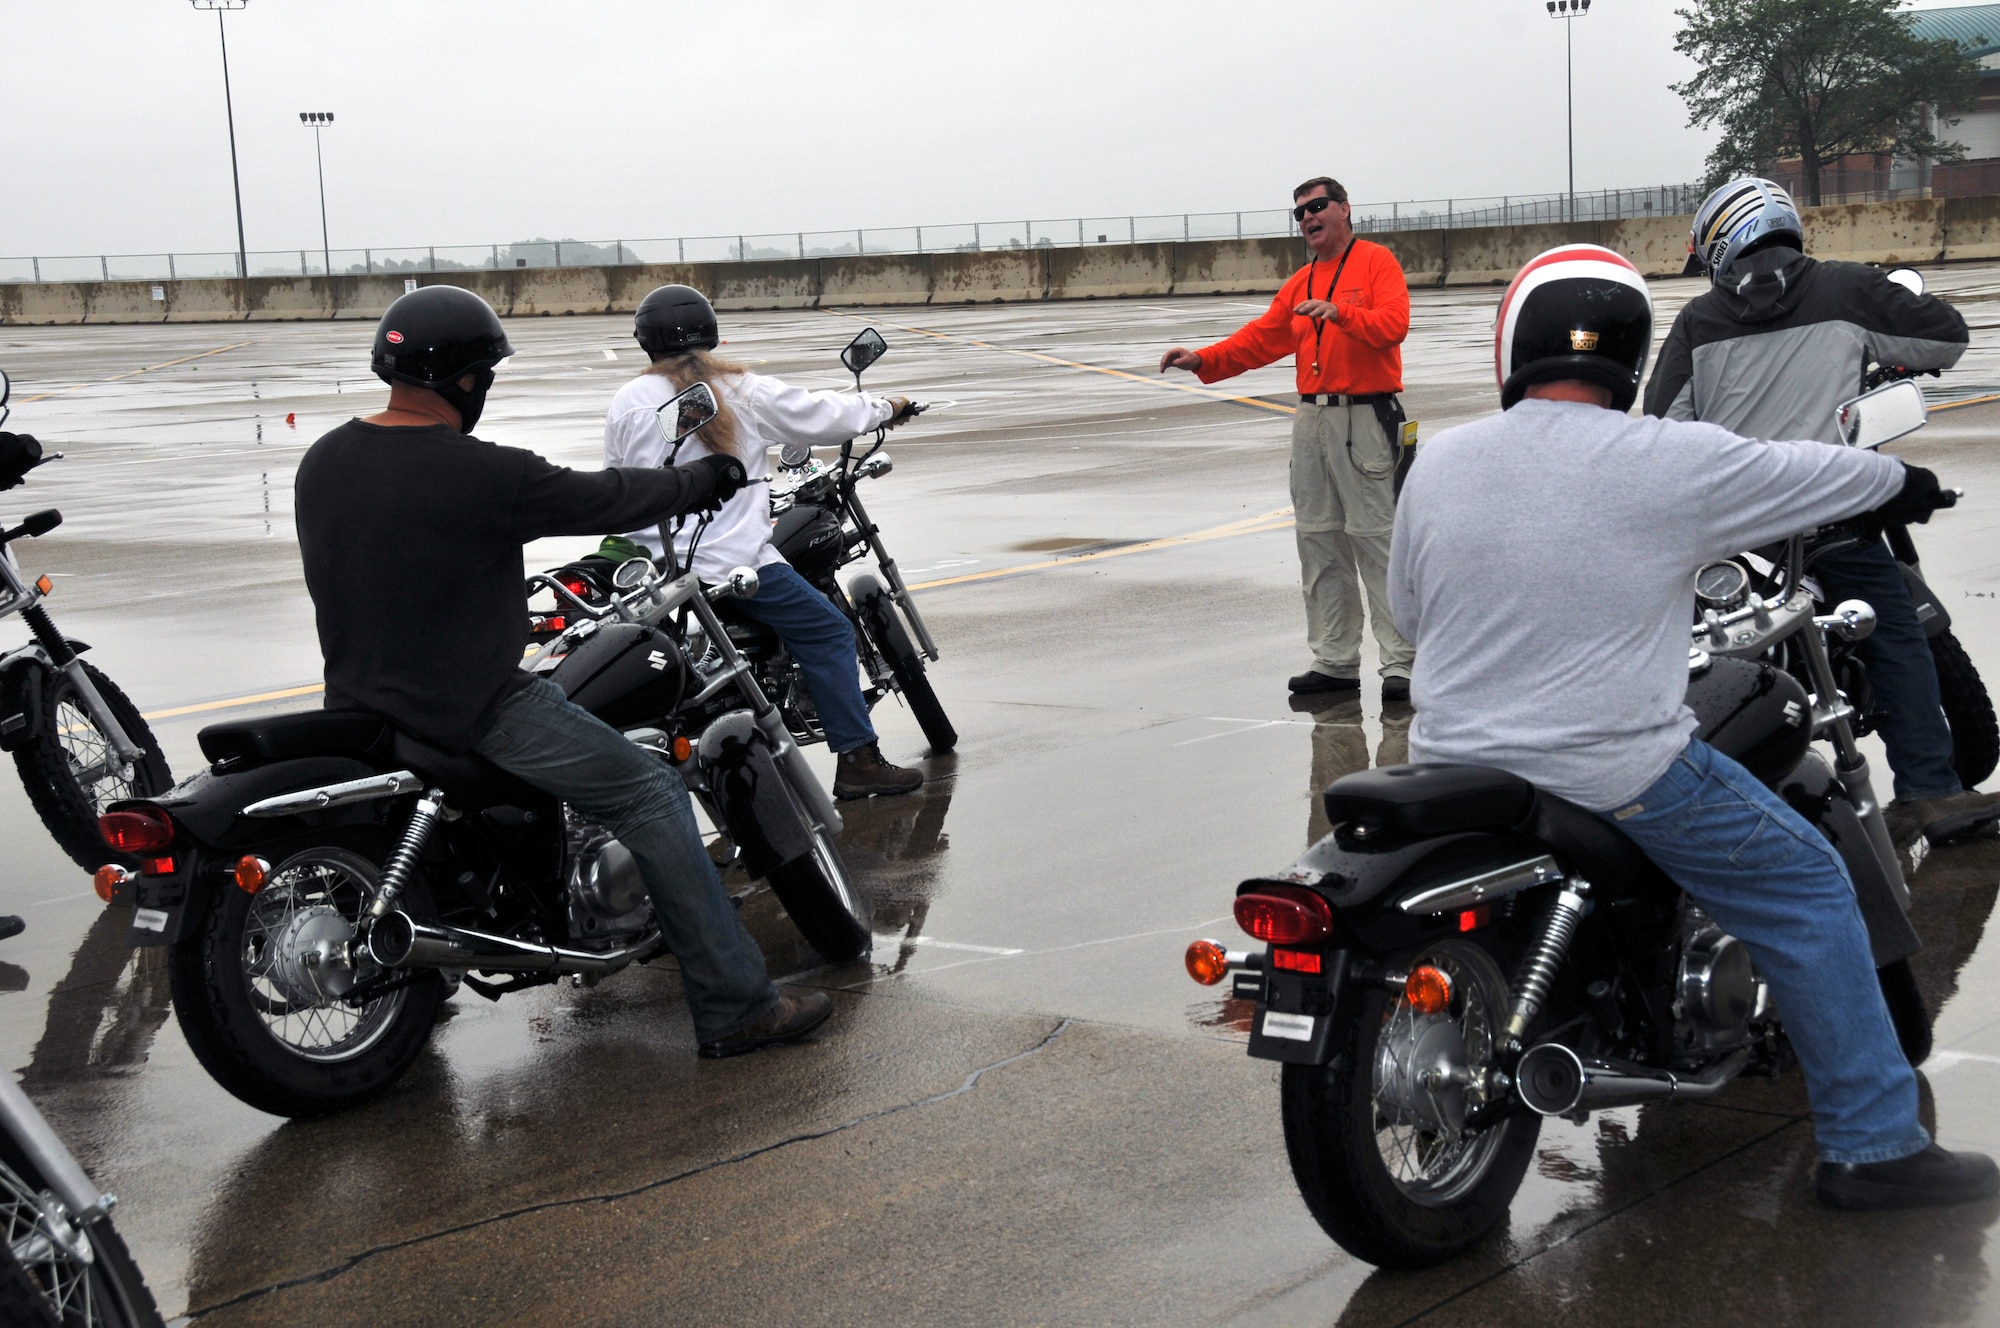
(1180, 358)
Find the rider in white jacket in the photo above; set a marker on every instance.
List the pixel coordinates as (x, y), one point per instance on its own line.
(676, 326)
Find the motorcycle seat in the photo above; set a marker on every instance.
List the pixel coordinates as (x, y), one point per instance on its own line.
(471, 783)
(247, 744)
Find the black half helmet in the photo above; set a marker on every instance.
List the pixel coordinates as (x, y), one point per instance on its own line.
(1579, 311)
(434, 336)
(674, 319)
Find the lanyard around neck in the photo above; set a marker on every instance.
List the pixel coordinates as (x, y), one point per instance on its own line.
(1319, 324)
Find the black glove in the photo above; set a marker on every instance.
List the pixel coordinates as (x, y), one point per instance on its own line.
(19, 454)
(1920, 496)
(726, 478)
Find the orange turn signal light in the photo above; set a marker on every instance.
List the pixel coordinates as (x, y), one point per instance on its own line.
(1428, 990)
(108, 878)
(1207, 963)
(251, 872)
(683, 749)
(43, 584)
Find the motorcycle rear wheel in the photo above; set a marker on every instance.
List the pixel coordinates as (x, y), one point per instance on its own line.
(53, 1284)
(240, 1011)
(1975, 732)
(1388, 1189)
(51, 766)
(828, 907)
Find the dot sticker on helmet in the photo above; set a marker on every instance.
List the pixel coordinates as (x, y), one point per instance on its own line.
(395, 338)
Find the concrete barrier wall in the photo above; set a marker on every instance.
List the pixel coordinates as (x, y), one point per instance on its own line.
(1913, 231)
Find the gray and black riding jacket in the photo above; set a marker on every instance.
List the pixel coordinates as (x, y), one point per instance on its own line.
(1773, 356)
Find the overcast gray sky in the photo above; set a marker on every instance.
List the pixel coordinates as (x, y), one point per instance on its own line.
(465, 123)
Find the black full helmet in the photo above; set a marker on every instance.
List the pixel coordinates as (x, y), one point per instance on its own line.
(673, 319)
(436, 335)
(1578, 311)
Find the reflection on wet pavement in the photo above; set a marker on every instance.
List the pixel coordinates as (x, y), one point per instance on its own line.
(1022, 1111)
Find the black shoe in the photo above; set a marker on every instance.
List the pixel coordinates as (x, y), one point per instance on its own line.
(789, 1020)
(1921, 1180)
(11, 926)
(1395, 689)
(1312, 680)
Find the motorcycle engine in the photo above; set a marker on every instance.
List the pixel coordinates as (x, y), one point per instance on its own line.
(604, 893)
(1717, 992)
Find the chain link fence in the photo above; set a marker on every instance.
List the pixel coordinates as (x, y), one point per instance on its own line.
(967, 237)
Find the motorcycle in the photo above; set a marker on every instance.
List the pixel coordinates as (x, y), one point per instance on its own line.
(79, 744)
(321, 881)
(61, 1261)
(820, 526)
(1416, 1075)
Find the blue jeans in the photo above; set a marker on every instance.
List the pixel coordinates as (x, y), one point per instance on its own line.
(1900, 669)
(569, 753)
(1773, 882)
(821, 639)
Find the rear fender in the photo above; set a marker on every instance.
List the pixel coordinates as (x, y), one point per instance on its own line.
(1815, 792)
(749, 790)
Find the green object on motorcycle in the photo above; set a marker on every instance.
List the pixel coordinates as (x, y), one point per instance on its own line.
(619, 549)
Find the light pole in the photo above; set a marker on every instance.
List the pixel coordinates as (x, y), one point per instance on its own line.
(316, 121)
(1569, 10)
(235, 178)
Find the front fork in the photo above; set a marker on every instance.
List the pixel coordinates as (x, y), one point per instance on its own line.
(63, 660)
(897, 590)
(1850, 766)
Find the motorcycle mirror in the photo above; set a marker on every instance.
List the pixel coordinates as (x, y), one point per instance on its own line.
(863, 351)
(1909, 279)
(879, 464)
(1882, 416)
(687, 412)
(632, 573)
(793, 455)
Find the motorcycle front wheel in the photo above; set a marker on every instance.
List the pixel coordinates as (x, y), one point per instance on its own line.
(54, 1271)
(1975, 732)
(1387, 1166)
(270, 1024)
(826, 904)
(71, 771)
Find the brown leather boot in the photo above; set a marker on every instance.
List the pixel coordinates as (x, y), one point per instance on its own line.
(863, 772)
(789, 1020)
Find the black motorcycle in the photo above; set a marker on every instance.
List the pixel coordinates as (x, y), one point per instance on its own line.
(820, 526)
(79, 744)
(321, 878)
(1466, 954)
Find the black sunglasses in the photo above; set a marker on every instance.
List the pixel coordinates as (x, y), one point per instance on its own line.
(1312, 205)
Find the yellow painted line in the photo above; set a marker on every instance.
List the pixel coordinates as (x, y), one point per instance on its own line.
(136, 372)
(1077, 364)
(1969, 401)
(283, 693)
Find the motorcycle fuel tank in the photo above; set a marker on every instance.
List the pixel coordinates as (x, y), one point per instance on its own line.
(624, 673)
(809, 537)
(1753, 713)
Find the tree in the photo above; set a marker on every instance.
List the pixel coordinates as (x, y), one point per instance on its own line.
(1818, 80)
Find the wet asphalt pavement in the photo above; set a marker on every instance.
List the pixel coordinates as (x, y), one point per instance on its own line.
(1023, 1111)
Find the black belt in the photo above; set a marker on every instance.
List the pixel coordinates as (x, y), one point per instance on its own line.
(1337, 399)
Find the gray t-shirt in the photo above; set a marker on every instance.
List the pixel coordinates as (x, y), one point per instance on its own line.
(1543, 564)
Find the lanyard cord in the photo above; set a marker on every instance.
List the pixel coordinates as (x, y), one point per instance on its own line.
(1319, 324)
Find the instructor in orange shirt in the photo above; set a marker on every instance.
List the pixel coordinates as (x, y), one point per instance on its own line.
(1342, 318)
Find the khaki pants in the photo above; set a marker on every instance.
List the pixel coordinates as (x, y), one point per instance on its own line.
(1343, 492)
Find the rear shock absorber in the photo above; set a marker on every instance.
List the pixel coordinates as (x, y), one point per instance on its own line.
(403, 860)
(1547, 956)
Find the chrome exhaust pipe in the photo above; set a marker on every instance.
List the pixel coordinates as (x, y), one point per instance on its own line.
(1554, 1081)
(398, 940)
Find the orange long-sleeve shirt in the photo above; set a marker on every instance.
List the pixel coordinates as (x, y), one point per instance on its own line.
(1360, 354)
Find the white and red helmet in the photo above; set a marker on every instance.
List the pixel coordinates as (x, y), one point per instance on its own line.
(1578, 311)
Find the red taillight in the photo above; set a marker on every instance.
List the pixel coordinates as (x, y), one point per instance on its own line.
(1472, 919)
(136, 829)
(156, 866)
(555, 624)
(1298, 961)
(1285, 915)
(577, 588)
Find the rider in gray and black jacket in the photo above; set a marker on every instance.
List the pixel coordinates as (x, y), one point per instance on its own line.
(1770, 351)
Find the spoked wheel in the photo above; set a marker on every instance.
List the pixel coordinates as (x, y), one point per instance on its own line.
(1975, 733)
(56, 1270)
(72, 772)
(826, 904)
(1380, 1139)
(262, 991)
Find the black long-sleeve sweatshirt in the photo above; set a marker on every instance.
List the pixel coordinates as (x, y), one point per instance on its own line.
(412, 545)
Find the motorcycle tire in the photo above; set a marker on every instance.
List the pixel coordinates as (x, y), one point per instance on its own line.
(248, 1027)
(915, 685)
(67, 740)
(58, 1287)
(1907, 1010)
(1345, 1146)
(1975, 732)
(826, 904)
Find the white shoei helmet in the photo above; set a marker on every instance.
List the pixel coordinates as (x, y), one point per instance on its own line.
(1737, 218)
(1578, 311)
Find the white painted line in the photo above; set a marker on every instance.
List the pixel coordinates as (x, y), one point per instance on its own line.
(937, 944)
(64, 899)
(1252, 726)
(1196, 928)
(610, 354)
(1944, 1060)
